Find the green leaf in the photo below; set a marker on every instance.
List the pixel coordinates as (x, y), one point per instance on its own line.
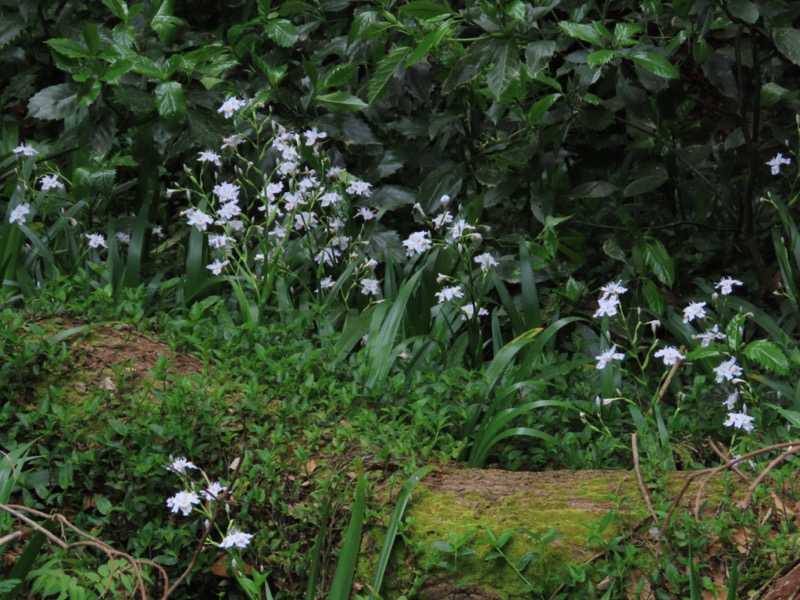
(583, 31)
(341, 102)
(787, 40)
(384, 72)
(624, 33)
(282, 32)
(431, 40)
(348, 555)
(424, 11)
(654, 297)
(594, 189)
(55, 102)
(170, 100)
(10, 28)
(768, 355)
(69, 48)
(744, 10)
(657, 65)
(600, 57)
(118, 8)
(393, 526)
(336, 76)
(504, 70)
(659, 261)
(538, 55)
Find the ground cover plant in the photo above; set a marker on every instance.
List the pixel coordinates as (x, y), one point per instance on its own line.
(265, 263)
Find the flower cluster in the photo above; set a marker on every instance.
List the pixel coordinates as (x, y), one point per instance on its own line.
(726, 371)
(609, 299)
(201, 499)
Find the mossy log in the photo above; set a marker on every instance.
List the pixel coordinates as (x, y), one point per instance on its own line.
(582, 507)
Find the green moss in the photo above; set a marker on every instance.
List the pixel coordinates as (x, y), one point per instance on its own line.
(572, 503)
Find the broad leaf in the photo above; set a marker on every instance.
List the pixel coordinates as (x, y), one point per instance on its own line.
(69, 48)
(54, 102)
(787, 40)
(504, 70)
(170, 100)
(431, 40)
(384, 73)
(660, 262)
(538, 55)
(583, 31)
(658, 65)
(768, 355)
(282, 32)
(424, 11)
(341, 102)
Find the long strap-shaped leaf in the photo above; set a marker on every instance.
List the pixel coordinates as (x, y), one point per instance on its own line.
(346, 565)
(394, 524)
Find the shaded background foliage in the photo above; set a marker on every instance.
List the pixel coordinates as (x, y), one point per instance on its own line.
(648, 124)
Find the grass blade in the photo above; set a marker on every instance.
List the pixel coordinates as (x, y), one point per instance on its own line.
(394, 524)
(348, 555)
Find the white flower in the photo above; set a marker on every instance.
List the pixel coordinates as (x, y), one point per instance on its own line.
(272, 190)
(18, 213)
(96, 240)
(217, 266)
(449, 293)
(486, 260)
(199, 219)
(231, 141)
(219, 241)
(278, 231)
(287, 167)
(694, 311)
(725, 285)
(469, 311)
(236, 225)
(731, 400)
(329, 198)
(230, 106)
(50, 182)
(740, 420)
(327, 283)
(607, 356)
(775, 163)
(327, 255)
(180, 465)
(213, 491)
(335, 224)
(442, 220)
(359, 188)
(670, 354)
(366, 213)
(26, 150)
(417, 243)
(226, 192)
(445, 200)
(312, 135)
(182, 502)
(613, 289)
(340, 241)
(308, 183)
(709, 336)
(728, 370)
(158, 231)
(369, 287)
(305, 220)
(458, 229)
(333, 172)
(209, 156)
(370, 264)
(123, 238)
(608, 306)
(228, 211)
(236, 539)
